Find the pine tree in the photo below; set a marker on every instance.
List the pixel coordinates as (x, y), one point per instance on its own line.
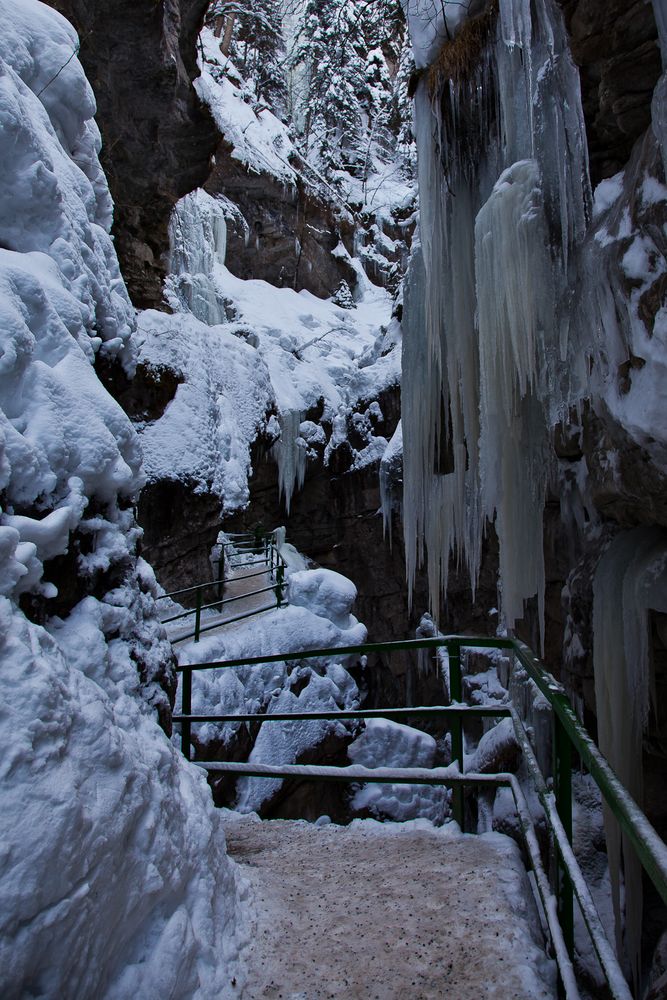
(251, 34)
(350, 53)
(331, 110)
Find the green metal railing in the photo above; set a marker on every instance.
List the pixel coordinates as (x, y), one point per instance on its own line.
(569, 737)
(253, 544)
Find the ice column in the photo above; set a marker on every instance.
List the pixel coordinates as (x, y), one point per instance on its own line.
(631, 578)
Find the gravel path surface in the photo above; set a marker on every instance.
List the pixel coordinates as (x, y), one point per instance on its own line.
(384, 911)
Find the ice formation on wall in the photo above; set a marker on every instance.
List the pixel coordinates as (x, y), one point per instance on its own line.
(289, 453)
(113, 873)
(631, 580)
(198, 241)
(488, 361)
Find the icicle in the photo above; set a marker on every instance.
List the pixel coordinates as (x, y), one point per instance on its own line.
(631, 578)
(391, 480)
(289, 453)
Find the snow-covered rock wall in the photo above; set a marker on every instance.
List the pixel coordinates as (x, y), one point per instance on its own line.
(113, 876)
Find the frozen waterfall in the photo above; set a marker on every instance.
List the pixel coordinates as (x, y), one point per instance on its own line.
(198, 243)
(489, 363)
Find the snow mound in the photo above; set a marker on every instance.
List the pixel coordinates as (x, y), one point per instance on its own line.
(205, 433)
(113, 877)
(384, 743)
(325, 593)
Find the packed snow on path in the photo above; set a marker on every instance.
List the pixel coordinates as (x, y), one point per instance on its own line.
(114, 882)
(382, 911)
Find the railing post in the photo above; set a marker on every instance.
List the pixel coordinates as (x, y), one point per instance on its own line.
(198, 615)
(456, 693)
(258, 532)
(221, 574)
(280, 577)
(563, 793)
(186, 709)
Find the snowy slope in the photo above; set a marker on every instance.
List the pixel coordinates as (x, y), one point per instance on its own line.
(113, 875)
(255, 358)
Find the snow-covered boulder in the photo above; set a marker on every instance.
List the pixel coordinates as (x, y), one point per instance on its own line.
(384, 743)
(325, 593)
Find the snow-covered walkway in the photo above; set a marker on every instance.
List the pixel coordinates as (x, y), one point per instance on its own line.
(382, 911)
(241, 592)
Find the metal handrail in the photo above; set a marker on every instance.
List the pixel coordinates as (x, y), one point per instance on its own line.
(228, 621)
(569, 734)
(255, 543)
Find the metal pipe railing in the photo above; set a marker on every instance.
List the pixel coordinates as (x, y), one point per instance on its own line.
(569, 735)
(257, 543)
(226, 621)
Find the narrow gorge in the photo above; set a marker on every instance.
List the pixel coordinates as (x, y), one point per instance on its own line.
(365, 302)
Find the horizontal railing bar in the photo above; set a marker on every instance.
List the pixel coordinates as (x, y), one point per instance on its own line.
(246, 576)
(475, 711)
(221, 602)
(375, 647)
(186, 590)
(447, 776)
(252, 593)
(229, 621)
(243, 546)
(182, 614)
(255, 562)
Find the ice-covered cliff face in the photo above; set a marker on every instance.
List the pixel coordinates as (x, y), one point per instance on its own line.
(113, 873)
(489, 363)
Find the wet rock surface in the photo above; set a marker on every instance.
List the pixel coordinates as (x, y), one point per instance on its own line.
(181, 524)
(290, 233)
(614, 44)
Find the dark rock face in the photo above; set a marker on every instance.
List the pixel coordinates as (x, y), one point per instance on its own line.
(144, 396)
(633, 490)
(291, 234)
(180, 527)
(140, 58)
(614, 43)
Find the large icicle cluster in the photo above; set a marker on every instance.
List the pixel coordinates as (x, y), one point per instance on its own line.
(488, 362)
